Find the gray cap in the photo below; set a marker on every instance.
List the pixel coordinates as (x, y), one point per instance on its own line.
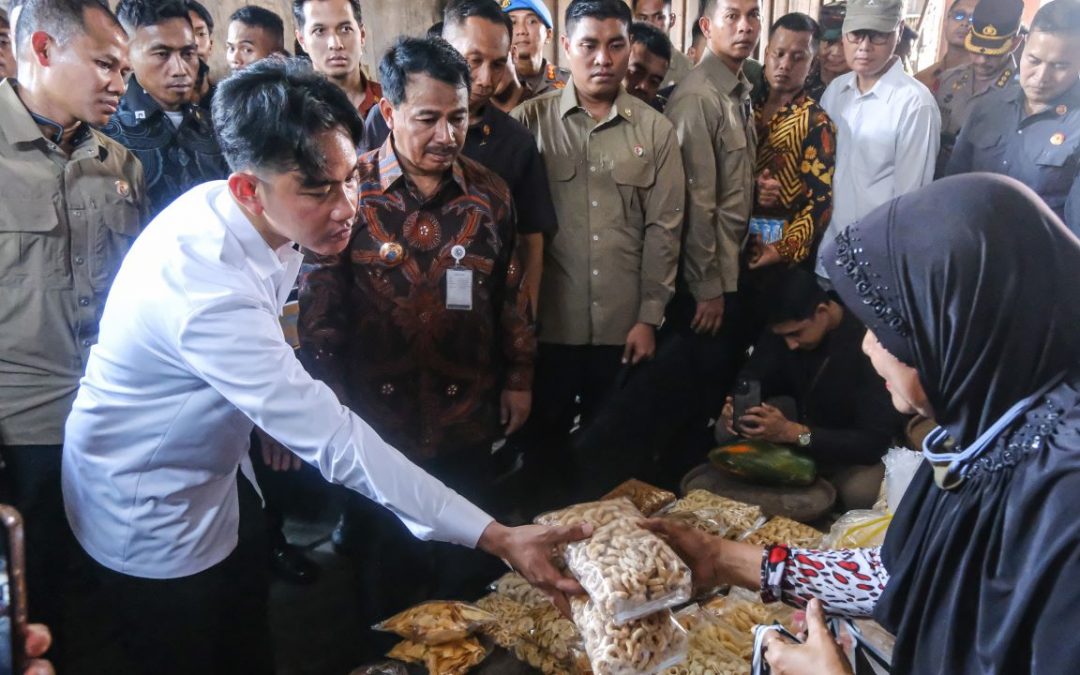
(882, 16)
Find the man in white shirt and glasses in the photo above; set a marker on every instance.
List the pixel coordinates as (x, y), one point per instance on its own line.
(190, 356)
(887, 122)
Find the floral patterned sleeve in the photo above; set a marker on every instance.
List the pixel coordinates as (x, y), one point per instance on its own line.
(816, 171)
(324, 320)
(848, 582)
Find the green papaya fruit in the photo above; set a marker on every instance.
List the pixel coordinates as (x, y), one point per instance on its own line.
(765, 463)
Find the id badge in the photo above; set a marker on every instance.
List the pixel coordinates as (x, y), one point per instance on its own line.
(459, 282)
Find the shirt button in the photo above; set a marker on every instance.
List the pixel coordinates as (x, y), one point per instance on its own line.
(86, 343)
(595, 203)
(79, 260)
(596, 273)
(83, 302)
(691, 181)
(1019, 131)
(592, 169)
(596, 237)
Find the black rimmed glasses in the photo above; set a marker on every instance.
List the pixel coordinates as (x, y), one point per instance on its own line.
(875, 37)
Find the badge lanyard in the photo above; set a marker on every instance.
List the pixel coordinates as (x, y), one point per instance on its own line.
(459, 282)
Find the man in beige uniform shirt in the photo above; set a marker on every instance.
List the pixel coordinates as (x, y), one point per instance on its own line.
(658, 13)
(712, 115)
(70, 206)
(618, 186)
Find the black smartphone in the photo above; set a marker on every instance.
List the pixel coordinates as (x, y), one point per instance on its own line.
(747, 395)
(12, 592)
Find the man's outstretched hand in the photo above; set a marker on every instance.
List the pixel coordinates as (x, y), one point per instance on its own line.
(530, 549)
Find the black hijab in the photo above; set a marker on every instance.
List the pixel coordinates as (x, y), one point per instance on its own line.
(975, 283)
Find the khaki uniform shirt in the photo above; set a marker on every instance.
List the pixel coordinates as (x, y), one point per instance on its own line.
(65, 225)
(679, 68)
(618, 188)
(711, 113)
(550, 77)
(958, 91)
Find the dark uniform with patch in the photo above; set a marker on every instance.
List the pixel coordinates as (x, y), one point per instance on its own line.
(994, 24)
(1041, 150)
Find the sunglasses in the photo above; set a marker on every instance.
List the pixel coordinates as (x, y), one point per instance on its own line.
(875, 37)
(962, 16)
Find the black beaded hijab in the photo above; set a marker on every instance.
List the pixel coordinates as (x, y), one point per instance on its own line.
(975, 283)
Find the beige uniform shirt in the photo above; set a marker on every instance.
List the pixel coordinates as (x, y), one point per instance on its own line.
(711, 113)
(618, 188)
(65, 225)
(679, 68)
(958, 92)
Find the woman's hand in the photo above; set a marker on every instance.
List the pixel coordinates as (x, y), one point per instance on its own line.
(819, 655)
(713, 561)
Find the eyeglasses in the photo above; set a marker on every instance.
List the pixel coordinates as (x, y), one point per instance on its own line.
(962, 16)
(875, 37)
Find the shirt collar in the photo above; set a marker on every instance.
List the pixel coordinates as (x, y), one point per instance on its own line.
(265, 261)
(721, 75)
(138, 100)
(390, 167)
(621, 107)
(886, 84)
(1067, 102)
(19, 123)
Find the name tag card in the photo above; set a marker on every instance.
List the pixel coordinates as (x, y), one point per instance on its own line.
(459, 283)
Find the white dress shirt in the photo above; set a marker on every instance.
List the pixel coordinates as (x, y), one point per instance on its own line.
(886, 145)
(190, 354)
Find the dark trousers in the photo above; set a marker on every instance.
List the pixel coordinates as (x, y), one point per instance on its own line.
(207, 623)
(395, 570)
(32, 474)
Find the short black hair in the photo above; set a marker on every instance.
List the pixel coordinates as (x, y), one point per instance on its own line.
(794, 294)
(259, 17)
(458, 11)
(596, 9)
(799, 23)
(269, 115)
(298, 12)
(696, 33)
(435, 29)
(634, 4)
(1057, 16)
(652, 37)
(61, 19)
(432, 56)
(136, 14)
(203, 12)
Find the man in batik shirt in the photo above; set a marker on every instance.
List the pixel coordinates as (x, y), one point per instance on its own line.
(795, 160)
(419, 325)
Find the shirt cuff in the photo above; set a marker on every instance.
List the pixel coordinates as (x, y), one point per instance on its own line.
(651, 312)
(708, 289)
(519, 378)
(462, 522)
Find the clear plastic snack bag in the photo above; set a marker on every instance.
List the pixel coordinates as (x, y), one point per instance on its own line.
(643, 647)
(437, 622)
(647, 498)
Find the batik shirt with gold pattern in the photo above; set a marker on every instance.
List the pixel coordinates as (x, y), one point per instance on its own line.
(374, 322)
(798, 147)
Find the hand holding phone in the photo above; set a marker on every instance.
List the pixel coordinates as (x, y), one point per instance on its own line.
(747, 395)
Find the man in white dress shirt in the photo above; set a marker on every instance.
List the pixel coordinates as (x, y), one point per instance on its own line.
(191, 355)
(887, 122)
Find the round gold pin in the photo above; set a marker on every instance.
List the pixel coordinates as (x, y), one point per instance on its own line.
(1057, 139)
(1061, 109)
(391, 253)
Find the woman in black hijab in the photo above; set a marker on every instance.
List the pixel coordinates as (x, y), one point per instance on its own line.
(970, 289)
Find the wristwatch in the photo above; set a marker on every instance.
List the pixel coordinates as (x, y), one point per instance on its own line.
(805, 438)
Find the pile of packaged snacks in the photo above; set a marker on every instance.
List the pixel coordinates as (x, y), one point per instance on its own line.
(629, 572)
(716, 515)
(450, 658)
(712, 646)
(741, 610)
(858, 529)
(439, 634)
(641, 647)
(647, 498)
(437, 622)
(781, 530)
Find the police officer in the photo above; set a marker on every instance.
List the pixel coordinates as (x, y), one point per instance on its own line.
(532, 31)
(1032, 133)
(992, 40)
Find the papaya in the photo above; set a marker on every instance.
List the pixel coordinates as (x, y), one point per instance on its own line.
(764, 463)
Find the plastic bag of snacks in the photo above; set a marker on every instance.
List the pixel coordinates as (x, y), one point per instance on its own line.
(642, 647)
(514, 586)
(736, 518)
(712, 646)
(450, 658)
(554, 633)
(513, 620)
(547, 663)
(437, 622)
(629, 572)
(596, 514)
(740, 611)
(647, 498)
(858, 529)
(781, 530)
